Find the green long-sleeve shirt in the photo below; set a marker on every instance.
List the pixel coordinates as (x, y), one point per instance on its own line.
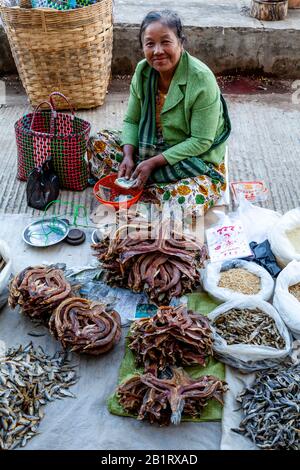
(192, 115)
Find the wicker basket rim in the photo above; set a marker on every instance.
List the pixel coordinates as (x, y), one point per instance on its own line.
(50, 12)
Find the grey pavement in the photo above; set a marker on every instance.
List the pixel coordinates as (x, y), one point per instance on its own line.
(264, 144)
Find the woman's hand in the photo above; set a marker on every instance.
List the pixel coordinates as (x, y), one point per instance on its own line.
(142, 173)
(145, 168)
(126, 167)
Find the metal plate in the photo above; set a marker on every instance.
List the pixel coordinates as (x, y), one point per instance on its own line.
(45, 232)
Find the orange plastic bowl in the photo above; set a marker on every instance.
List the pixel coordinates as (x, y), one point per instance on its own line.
(105, 191)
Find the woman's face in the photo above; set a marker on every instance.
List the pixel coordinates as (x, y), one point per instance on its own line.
(161, 47)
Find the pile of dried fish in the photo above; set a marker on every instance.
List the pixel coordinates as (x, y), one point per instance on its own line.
(295, 291)
(163, 400)
(271, 409)
(174, 336)
(155, 259)
(240, 280)
(85, 326)
(38, 290)
(2, 263)
(28, 379)
(248, 327)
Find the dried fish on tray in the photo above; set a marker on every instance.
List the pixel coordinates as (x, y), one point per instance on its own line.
(249, 334)
(174, 336)
(156, 259)
(271, 408)
(85, 326)
(28, 379)
(38, 290)
(165, 399)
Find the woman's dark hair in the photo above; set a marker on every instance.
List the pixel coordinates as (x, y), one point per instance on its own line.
(168, 18)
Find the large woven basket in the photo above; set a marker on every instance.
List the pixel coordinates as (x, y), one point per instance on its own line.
(69, 51)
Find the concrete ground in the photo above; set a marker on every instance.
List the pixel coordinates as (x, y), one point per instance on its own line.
(264, 143)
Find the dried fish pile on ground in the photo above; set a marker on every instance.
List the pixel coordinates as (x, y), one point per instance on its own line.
(271, 409)
(85, 326)
(164, 400)
(28, 379)
(295, 291)
(2, 263)
(240, 280)
(155, 259)
(38, 290)
(174, 336)
(249, 327)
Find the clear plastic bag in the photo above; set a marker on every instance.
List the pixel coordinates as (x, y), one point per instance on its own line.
(246, 357)
(287, 304)
(281, 246)
(211, 278)
(257, 221)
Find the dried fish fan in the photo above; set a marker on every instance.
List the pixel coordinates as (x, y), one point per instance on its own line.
(155, 259)
(164, 400)
(85, 326)
(174, 336)
(38, 290)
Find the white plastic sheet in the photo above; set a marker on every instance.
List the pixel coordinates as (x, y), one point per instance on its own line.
(84, 422)
(6, 272)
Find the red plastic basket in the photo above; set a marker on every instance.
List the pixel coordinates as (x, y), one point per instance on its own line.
(109, 191)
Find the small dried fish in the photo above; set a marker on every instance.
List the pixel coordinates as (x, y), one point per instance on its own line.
(2, 263)
(249, 327)
(30, 378)
(295, 291)
(271, 407)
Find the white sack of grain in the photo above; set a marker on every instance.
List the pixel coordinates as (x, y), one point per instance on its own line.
(212, 273)
(284, 238)
(286, 303)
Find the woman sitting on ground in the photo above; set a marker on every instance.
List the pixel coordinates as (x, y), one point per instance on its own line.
(176, 124)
